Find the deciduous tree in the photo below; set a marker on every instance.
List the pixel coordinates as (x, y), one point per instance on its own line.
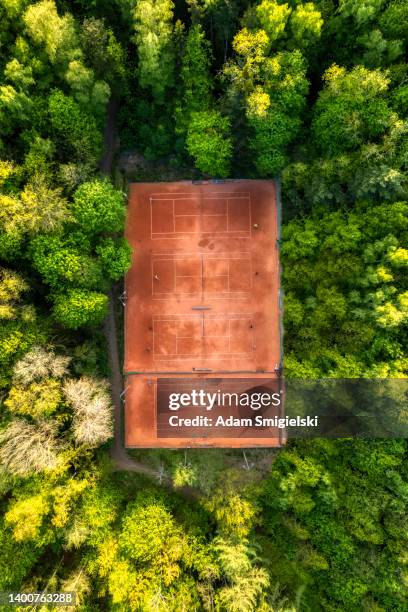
(209, 142)
(99, 208)
(29, 448)
(79, 308)
(351, 109)
(90, 399)
(154, 41)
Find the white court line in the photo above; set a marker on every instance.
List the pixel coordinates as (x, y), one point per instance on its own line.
(187, 235)
(215, 197)
(205, 336)
(195, 295)
(196, 318)
(201, 357)
(152, 274)
(228, 277)
(151, 218)
(221, 296)
(227, 214)
(222, 316)
(203, 232)
(220, 293)
(187, 255)
(192, 196)
(197, 256)
(250, 216)
(226, 196)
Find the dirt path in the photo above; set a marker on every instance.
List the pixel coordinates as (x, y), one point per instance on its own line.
(109, 139)
(118, 453)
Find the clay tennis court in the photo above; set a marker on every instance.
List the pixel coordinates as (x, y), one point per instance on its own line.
(202, 295)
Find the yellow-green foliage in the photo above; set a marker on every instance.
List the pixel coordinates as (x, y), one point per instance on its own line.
(38, 400)
(312, 92)
(25, 517)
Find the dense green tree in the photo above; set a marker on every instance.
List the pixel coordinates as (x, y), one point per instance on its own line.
(271, 135)
(98, 208)
(62, 264)
(103, 51)
(15, 107)
(56, 34)
(394, 20)
(374, 172)
(24, 556)
(78, 262)
(38, 159)
(273, 112)
(335, 514)
(90, 94)
(351, 109)
(306, 25)
(79, 307)
(44, 209)
(209, 142)
(272, 89)
(347, 310)
(115, 257)
(154, 41)
(195, 75)
(273, 17)
(147, 562)
(75, 131)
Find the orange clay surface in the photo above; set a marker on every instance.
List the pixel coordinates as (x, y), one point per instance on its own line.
(202, 295)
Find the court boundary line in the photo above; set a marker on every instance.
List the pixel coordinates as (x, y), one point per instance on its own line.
(202, 259)
(199, 215)
(201, 319)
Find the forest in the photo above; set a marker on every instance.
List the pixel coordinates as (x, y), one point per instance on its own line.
(312, 93)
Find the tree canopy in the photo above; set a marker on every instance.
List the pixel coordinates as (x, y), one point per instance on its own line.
(313, 94)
